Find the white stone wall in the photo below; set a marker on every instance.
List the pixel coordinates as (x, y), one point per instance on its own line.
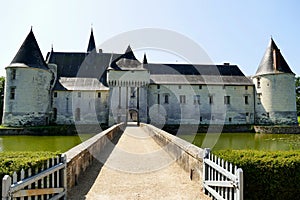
(191, 112)
(275, 99)
(81, 107)
(31, 103)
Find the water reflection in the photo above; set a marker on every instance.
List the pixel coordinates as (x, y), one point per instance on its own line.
(268, 142)
(40, 143)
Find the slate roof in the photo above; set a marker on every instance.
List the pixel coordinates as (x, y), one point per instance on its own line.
(30, 53)
(273, 61)
(127, 61)
(83, 84)
(92, 44)
(197, 74)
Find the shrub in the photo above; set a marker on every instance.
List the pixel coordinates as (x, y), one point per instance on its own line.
(267, 175)
(16, 161)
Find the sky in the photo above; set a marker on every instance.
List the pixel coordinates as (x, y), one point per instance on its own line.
(231, 31)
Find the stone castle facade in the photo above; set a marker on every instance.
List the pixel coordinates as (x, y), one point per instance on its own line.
(94, 87)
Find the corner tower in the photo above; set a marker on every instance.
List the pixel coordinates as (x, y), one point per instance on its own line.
(275, 89)
(27, 87)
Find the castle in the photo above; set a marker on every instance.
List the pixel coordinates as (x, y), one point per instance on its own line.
(94, 87)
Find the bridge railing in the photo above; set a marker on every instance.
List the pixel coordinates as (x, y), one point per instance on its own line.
(221, 179)
(46, 182)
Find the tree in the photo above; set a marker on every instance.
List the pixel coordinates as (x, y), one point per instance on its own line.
(298, 95)
(2, 83)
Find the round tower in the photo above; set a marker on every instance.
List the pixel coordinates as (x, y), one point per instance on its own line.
(275, 89)
(27, 87)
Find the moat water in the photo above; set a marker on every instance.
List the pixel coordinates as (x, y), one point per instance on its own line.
(268, 142)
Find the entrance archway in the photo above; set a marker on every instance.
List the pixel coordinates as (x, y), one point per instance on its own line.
(133, 115)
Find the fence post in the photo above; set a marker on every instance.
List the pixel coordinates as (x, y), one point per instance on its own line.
(64, 160)
(240, 185)
(6, 183)
(205, 155)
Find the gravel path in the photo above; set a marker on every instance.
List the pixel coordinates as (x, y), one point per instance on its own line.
(136, 168)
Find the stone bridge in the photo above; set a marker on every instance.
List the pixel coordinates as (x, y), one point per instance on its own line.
(135, 162)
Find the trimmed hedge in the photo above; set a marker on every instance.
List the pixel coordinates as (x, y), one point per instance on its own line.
(16, 161)
(267, 175)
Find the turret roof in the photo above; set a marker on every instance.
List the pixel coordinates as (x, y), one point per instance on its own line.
(92, 44)
(30, 53)
(273, 61)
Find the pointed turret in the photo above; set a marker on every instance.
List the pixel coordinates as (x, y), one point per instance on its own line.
(145, 59)
(129, 54)
(30, 53)
(273, 62)
(92, 44)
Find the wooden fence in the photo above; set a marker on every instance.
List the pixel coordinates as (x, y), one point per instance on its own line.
(47, 182)
(221, 180)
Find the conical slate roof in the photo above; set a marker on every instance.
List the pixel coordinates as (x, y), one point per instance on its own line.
(30, 53)
(92, 44)
(273, 61)
(145, 61)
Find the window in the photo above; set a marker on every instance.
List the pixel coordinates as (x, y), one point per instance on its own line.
(13, 74)
(12, 93)
(55, 94)
(259, 98)
(54, 114)
(247, 100)
(224, 87)
(211, 99)
(227, 100)
(132, 92)
(179, 86)
(246, 87)
(229, 119)
(200, 87)
(158, 87)
(201, 119)
(79, 94)
(166, 98)
(258, 82)
(182, 99)
(158, 99)
(99, 94)
(197, 99)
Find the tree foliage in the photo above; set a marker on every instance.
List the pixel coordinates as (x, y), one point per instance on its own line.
(298, 95)
(2, 83)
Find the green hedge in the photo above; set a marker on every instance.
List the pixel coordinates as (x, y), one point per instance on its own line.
(267, 175)
(15, 161)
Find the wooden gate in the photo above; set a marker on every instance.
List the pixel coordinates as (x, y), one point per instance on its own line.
(221, 180)
(48, 182)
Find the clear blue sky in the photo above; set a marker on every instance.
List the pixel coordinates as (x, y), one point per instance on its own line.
(229, 31)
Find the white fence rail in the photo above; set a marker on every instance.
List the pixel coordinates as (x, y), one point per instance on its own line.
(47, 182)
(221, 180)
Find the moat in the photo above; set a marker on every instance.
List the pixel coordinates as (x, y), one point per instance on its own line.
(268, 142)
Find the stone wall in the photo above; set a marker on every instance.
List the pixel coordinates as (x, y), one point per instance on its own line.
(30, 102)
(81, 107)
(187, 155)
(277, 129)
(81, 156)
(275, 99)
(203, 104)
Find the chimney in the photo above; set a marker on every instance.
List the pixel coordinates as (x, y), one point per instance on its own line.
(100, 51)
(227, 64)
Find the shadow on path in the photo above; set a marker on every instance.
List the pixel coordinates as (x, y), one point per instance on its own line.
(87, 179)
